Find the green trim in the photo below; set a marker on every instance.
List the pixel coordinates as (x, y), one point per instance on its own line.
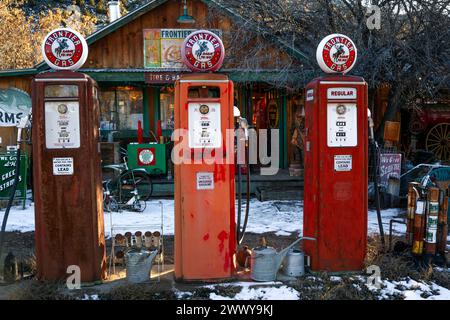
(112, 76)
(145, 112)
(18, 72)
(157, 107)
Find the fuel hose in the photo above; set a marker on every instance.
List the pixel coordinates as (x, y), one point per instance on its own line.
(241, 231)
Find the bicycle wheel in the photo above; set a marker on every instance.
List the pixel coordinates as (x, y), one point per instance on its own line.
(113, 205)
(131, 179)
(139, 205)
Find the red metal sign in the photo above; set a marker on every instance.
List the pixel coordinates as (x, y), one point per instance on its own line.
(146, 156)
(203, 51)
(336, 53)
(64, 49)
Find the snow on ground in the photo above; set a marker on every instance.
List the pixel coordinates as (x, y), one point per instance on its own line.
(281, 217)
(411, 290)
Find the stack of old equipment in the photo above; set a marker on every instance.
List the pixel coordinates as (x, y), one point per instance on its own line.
(427, 219)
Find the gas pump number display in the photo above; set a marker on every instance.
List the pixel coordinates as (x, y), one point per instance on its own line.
(342, 125)
(204, 125)
(62, 124)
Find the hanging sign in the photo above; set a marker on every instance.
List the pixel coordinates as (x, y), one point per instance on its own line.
(64, 49)
(202, 51)
(336, 53)
(14, 104)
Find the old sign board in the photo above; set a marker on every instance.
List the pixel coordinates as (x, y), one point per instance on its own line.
(390, 166)
(7, 173)
(203, 51)
(64, 49)
(336, 53)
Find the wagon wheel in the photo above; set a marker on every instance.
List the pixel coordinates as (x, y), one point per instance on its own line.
(438, 141)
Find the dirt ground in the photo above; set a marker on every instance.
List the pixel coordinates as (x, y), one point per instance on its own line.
(395, 265)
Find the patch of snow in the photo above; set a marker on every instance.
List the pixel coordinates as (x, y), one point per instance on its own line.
(411, 290)
(261, 293)
(386, 216)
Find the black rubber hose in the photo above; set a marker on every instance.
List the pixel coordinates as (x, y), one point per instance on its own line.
(10, 201)
(247, 207)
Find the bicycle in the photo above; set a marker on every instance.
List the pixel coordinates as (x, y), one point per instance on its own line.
(110, 204)
(129, 182)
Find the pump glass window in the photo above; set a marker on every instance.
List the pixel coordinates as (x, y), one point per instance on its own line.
(121, 108)
(61, 90)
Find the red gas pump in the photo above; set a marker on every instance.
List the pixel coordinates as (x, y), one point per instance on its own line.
(205, 231)
(336, 161)
(66, 164)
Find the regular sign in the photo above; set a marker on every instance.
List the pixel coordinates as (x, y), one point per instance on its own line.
(336, 53)
(64, 49)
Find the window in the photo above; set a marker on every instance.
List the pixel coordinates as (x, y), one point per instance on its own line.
(121, 108)
(61, 90)
(167, 106)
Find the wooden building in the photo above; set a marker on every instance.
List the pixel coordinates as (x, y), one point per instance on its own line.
(136, 59)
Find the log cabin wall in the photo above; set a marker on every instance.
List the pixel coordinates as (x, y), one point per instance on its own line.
(124, 48)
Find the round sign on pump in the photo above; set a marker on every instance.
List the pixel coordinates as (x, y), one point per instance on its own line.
(336, 53)
(64, 49)
(203, 51)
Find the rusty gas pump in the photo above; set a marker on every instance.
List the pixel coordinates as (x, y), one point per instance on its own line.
(66, 170)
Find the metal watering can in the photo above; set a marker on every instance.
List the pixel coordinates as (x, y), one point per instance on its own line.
(266, 261)
(139, 264)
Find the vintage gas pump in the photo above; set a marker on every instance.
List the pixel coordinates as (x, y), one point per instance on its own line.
(66, 170)
(336, 161)
(205, 231)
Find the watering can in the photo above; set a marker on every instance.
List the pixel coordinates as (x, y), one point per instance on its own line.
(266, 261)
(139, 264)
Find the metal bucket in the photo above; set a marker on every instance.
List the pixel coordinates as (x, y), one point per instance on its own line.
(263, 264)
(139, 265)
(294, 264)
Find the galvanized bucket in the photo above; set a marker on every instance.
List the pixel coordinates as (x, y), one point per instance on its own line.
(294, 263)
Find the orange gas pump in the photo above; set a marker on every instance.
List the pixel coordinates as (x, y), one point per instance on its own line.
(205, 228)
(336, 161)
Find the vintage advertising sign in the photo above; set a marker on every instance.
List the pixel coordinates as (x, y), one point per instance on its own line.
(203, 51)
(390, 166)
(162, 50)
(341, 93)
(336, 53)
(64, 49)
(63, 166)
(14, 104)
(7, 173)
